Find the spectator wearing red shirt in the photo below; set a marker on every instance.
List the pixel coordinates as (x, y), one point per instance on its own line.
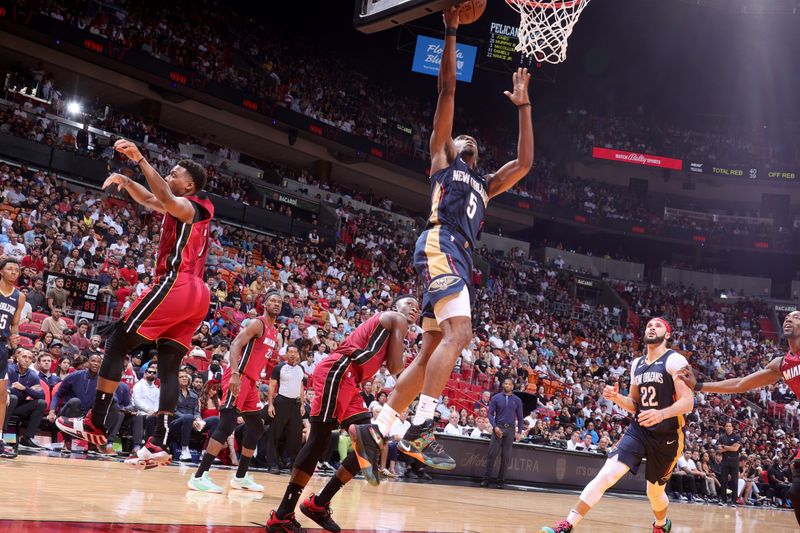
(128, 272)
(79, 340)
(33, 260)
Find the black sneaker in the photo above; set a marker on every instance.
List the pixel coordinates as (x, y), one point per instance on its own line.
(285, 525)
(368, 443)
(27, 443)
(420, 443)
(275, 470)
(321, 514)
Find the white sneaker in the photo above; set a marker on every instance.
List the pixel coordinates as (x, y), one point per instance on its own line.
(204, 483)
(186, 456)
(246, 483)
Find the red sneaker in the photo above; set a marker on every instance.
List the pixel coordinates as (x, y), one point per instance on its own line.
(287, 525)
(82, 428)
(149, 456)
(321, 514)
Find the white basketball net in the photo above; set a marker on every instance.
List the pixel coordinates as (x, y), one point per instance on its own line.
(546, 26)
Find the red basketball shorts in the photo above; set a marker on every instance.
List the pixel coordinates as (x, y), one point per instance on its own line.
(337, 397)
(246, 400)
(172, 309)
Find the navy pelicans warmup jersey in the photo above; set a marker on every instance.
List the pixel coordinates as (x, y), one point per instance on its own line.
(459, 200)
(8, 308)
(657, 386)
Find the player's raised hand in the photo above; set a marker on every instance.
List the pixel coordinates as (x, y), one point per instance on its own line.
(130, 150)
(116, 179)
(520, 80)
(450, 16)
(650, 418)
(610, 393)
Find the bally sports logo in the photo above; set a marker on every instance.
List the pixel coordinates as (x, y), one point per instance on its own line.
(636, 158)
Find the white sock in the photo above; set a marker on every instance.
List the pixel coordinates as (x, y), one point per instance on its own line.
(386, 419)
(425, 409)
(661, 522)
(574, 517)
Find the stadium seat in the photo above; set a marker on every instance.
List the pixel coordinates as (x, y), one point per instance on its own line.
(38, 317)
(25, 342)
(30, 327)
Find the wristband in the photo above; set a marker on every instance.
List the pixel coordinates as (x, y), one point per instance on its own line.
(139, 162)
(524, 105)
(698, 386)
(450, 32)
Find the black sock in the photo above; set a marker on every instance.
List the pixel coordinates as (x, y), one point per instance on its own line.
(161, 434)
(244, 464)
(205, 464)
(102, 403)
(289, 501)
(334, 485)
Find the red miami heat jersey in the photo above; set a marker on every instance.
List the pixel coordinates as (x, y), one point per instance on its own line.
(790, 368)
(366, 347)
(258, 351)
(182, 248)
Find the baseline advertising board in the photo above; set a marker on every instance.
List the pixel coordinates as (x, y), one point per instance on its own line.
(636, 158)
(428, 57)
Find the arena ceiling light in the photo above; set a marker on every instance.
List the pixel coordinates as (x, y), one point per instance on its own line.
(74, 108)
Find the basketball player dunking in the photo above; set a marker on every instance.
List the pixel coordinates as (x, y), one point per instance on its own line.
(443, 260)
(169, 312)
(655, 434)
(250, 351)
(11, 303)
(786, 367)
(338, 402)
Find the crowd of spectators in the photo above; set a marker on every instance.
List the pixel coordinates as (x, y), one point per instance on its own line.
(525, 316)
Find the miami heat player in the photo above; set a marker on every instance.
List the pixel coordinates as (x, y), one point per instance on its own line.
(786, 367)
(337, 402)
(168, 313)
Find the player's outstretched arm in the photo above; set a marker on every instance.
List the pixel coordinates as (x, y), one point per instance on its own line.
(139, 194)
(766, 376)
(513, 171)
(180, 208)
(397, 325)
(253, 329)
(443, 150)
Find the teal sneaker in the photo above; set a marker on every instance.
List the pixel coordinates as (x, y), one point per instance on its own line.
(246, 483)
(204, 483)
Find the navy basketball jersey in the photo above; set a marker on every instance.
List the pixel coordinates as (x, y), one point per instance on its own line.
(459, 199)
(8, 308)
(656, 386)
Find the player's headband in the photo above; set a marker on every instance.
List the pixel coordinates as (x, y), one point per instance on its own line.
(270, 293)
(666, 324)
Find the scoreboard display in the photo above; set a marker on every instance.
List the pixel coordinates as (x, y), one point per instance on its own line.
(502, 42)
(82, 293)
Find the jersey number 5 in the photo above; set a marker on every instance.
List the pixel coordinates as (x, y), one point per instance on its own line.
(648, 396)
(472, 207)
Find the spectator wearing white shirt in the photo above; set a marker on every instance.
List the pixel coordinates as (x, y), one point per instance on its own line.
(145, 397)
(397, 431)
(444, 408)
(452, 427)
(14, 248)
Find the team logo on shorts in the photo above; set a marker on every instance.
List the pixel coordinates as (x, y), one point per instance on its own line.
(443, 283)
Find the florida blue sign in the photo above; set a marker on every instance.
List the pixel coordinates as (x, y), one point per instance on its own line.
(428, 57)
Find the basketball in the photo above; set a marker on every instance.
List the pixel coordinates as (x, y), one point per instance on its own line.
(470, 11)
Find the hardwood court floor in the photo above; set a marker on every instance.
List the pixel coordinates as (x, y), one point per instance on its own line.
(51, 494)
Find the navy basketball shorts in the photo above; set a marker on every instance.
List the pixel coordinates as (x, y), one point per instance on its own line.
(3, 362)
(443, 261)
(661, 450)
